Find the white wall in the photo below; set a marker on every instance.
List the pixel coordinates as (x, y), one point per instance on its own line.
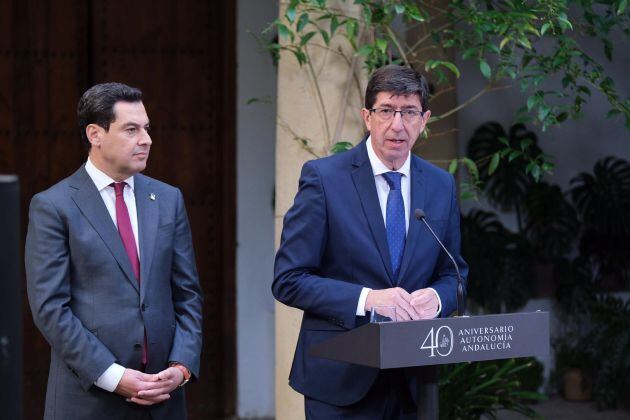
(256, 137)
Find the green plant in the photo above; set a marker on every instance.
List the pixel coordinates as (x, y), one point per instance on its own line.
(580, 236)
(602, 200)
(473, 390)
(608, 342)
(571, 356)
(505, 184)
(596, 339)
(547, 223)
(500, 263)
(544, 215)
(532, 378)
(572, 349)
(551, 222)
(534, 45)
(574, 283)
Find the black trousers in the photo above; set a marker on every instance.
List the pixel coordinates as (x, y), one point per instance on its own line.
(387, 399)
(137, 412)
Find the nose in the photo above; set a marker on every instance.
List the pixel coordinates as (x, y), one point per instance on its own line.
(397, 122)
(145, 138)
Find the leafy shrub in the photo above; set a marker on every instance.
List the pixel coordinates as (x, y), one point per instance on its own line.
(471, 390)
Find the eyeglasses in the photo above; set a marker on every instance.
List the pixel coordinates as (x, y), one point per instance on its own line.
(407, 115)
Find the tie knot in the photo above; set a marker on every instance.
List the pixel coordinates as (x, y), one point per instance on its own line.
(393, 179)
(118, 187)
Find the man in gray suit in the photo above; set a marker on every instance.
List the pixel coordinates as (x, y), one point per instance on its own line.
(111, 275)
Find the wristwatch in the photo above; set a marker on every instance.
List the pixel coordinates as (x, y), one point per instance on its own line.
(184, 371)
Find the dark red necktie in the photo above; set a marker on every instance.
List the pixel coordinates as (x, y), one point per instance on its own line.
(129, 242)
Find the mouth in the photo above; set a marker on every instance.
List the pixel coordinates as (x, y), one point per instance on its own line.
(141, 155)
(397, 141)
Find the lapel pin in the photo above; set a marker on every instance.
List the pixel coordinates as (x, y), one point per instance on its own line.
(152, 197)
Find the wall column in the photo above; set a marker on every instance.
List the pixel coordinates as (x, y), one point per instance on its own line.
(300, 115)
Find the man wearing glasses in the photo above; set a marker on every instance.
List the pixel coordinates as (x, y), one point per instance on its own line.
(349, 245)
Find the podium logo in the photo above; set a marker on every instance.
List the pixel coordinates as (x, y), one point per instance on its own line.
(439, 342)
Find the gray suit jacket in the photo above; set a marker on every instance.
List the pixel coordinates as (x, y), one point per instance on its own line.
(87, 303)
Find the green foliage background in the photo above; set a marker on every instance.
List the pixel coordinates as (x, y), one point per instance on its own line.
(524, 43)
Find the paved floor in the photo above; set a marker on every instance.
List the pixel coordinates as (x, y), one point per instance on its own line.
(557, 408)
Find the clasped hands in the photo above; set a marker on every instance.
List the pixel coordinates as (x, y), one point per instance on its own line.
(421, 304)
(148, 389)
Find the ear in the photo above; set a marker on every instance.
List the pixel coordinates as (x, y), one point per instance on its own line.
(425, 119)
(366, 115)
(94, 134)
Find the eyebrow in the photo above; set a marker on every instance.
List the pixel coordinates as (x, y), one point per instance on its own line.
(388, 105)
(134, 124)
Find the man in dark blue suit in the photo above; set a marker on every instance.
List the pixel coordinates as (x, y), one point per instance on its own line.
(349, 245)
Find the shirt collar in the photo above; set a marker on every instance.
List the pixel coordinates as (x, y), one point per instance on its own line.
(100, 178)
(378, 167)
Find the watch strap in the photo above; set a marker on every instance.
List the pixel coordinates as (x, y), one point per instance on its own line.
(184, 371)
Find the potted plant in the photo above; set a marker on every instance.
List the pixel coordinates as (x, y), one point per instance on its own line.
(510, 262)
(592, 348)
(574, 370)
(472, 390)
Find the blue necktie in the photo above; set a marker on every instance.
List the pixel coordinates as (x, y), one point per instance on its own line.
(395, 220)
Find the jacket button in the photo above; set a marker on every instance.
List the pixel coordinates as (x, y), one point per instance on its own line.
(144, 307)
(137, 346)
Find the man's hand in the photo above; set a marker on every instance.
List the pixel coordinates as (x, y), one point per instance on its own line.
(395, 296)
(425, 302)
(133, 382)
(168, 380)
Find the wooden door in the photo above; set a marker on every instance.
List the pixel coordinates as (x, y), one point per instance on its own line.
(182, 56)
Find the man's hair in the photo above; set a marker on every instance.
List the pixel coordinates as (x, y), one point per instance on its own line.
(398, 80)
(96, 106)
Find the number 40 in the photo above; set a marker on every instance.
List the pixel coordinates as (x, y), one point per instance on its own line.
(433, 340)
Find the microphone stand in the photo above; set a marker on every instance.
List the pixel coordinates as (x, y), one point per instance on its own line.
(419, 214)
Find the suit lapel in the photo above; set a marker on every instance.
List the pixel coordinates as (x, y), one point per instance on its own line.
(90, 202)
(417, 202)
(363, 178)
(147, 208)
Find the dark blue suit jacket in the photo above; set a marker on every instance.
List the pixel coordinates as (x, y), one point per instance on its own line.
(334, 244)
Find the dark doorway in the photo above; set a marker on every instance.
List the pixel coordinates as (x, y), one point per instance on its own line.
(182, 55)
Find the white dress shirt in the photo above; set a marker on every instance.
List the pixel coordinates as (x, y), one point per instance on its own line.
(382, 189)
(111, 377)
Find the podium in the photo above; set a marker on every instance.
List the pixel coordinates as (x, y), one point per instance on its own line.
(423, 345)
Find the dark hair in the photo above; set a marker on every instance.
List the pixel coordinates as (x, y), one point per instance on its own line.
(96, 105)
(398, 80)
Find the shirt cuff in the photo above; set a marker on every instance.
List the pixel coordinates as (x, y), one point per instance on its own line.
(439, 302)
(110, 378)
(362, 299)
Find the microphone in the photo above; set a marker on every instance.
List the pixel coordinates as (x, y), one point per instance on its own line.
(419, 214)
